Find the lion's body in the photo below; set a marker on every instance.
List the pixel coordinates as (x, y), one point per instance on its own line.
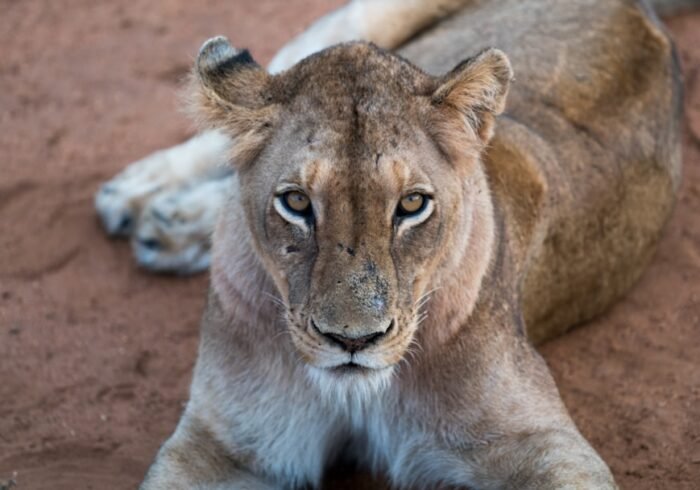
(546, 224)
(586, 160)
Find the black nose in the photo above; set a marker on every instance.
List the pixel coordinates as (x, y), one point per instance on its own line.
(354, 344)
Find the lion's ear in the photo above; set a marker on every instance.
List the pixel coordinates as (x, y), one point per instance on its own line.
(230, 92)
(470, 96)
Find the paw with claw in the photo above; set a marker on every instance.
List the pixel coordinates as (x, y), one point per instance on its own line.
(120, 201)
(167, 203)
(174, 230)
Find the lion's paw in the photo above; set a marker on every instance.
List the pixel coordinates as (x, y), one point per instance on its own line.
(175, 228)
(120, 201)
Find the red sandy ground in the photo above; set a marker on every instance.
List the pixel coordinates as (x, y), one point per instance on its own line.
(95, 355)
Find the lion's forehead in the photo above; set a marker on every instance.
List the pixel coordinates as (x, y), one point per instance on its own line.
(382, 174)
(384, 152)
(358, 71)
(364, 97)
(352, 130)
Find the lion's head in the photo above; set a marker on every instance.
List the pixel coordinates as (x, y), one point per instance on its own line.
(357, 183)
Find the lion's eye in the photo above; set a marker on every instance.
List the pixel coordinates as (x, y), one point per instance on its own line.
(411, 204)
(297, 202)
(294, 206)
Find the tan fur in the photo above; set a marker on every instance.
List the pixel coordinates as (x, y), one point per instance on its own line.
(541, 218)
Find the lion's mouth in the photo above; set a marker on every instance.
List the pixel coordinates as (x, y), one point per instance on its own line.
(354, 370)
(350, 368)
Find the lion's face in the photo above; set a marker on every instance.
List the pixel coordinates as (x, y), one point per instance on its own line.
(351, 232)
(352, 195)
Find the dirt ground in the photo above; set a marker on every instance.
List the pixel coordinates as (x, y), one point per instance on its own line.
(95, 355)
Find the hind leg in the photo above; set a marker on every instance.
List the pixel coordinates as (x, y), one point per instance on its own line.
(387, 23)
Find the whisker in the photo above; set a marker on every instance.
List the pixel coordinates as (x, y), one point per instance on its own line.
(425, 297)
(414, 343)
(409, 356)
(421, 318)
(281, 333)
(410, 353)
(275, 299)
(421, 303)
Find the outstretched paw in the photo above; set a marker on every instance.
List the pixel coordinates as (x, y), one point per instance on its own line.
(174, 232)
(120, 201)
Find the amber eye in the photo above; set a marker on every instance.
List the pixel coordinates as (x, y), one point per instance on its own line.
(297, 202)
(411, 204)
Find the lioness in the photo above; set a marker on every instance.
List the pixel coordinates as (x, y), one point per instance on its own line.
(413, 241)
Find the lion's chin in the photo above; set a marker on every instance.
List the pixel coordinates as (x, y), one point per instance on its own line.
(350, 384)
(351, 369)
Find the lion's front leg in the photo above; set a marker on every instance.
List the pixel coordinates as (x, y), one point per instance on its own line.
(538, 459)
(529, 441)
(500, 426)
(547, 459)
(193, 459)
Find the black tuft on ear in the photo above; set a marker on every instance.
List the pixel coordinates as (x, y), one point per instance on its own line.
(217, 58)
(229, 93)
(232, 76)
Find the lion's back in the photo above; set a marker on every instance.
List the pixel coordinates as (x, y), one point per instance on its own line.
(592, 121)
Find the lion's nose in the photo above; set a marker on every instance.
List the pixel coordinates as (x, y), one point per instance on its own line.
(352, 343)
